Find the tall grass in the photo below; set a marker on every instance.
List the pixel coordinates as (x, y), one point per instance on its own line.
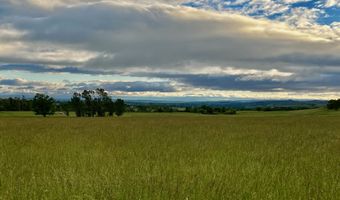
(171, 157)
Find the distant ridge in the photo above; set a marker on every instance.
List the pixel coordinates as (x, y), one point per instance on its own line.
(242, 104)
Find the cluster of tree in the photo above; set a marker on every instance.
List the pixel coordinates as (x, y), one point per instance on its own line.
(89, 103)
(194, 109)
(97, 102)
(333, 104)
(15, 104)
(211, 110)
(149, 108)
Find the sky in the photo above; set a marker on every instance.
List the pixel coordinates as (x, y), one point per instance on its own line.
(171, 49)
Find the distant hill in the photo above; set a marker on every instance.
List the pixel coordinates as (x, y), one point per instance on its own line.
(236, 104)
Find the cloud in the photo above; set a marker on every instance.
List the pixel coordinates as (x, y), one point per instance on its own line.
(187, 48)
(198, 87)
(136, 86)
(330, 3)
(159, 36)
(304, 15)
(255, 81)
(67, 88)
(21, 87)
(45, 69)
(12, 82)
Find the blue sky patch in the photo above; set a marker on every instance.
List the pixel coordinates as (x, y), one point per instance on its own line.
(269, 10)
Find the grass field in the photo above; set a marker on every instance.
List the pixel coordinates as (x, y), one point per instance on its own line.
(276, 155)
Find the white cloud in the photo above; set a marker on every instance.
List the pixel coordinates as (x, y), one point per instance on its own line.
(330, 3)
(294, 1)
(148, 89)
(130, 37)
(51, 4)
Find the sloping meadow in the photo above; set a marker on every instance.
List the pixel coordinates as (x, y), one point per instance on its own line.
(171, 156)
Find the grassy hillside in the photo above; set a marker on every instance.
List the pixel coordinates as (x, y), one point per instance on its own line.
(308, 112)
(253, 155)
(317, 111)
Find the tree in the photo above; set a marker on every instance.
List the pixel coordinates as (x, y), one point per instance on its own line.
(15, 104)
(333, 104)
(90, 107)
(207, 110)
(110, 106)
(77, 104)
(43, 105)
(91, 103)
(102, 102)
(119, 107)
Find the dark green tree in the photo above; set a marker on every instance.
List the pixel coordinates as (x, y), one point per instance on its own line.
(97, 102)
(110, 105)
(102, 102)
(43, 105)
(333, 104)
(107, 103)
(207, 110)
(89, 103)
(77, 104)
(119, 107)
(15, 104)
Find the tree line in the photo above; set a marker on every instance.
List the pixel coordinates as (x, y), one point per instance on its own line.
(333, 104)
(16, 104)
(204, 109)
(97, 103)
(208, 110)
(89, 103)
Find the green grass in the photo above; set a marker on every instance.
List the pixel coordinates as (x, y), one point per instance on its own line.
(16, 114)
(318, 111)
(309, 112)
(283, 155)
(28, 114)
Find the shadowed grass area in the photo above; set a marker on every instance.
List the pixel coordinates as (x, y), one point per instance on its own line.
(171, 156)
